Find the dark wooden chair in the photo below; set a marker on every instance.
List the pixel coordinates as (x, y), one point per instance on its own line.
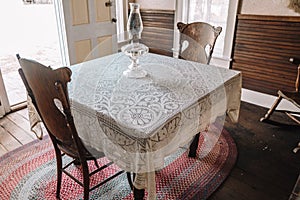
(197, 41)
(291, 96)
(163, 52)
(48, 91)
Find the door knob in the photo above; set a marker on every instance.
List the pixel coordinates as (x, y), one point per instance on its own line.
(108, 4)
(113, 20)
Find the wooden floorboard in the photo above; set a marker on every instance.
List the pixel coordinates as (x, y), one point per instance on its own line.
(19, 119)
(3, 150)
(266, 167)
(8, 141)
(18, 129)
(14, 132)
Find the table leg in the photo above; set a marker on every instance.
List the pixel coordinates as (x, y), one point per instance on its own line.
(194, 146)
(138, 194)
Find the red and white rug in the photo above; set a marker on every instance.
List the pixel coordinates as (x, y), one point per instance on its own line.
(30, 173)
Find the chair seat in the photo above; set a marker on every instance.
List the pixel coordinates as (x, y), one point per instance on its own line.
(293, 97)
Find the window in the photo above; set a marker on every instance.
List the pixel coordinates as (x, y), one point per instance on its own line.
(120, 7)
(214, 12)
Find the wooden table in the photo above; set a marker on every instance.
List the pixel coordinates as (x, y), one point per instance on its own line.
(138, 122)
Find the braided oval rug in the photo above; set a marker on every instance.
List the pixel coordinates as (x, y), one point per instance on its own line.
(29, 172)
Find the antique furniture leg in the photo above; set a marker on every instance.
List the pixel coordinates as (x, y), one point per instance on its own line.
(59, 171)
(77, 162)
(292, 117)
(193, 146)
(296, 149)
(129, 179)
(272, 109)
(291, 96)
(86, 180)
(138, 194)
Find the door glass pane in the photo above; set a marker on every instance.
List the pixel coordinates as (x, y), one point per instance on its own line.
(30, 30)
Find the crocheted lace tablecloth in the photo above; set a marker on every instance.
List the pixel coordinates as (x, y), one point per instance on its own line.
(138, 122)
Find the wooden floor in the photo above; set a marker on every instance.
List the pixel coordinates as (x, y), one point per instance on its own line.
(266, 167)
(15, 131)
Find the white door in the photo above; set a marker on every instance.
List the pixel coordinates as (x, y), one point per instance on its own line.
(4, 104)
(86, 28)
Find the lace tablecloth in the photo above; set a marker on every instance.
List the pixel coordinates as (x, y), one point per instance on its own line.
(138, 122)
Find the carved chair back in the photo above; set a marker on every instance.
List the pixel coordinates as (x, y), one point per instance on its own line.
(47, 89)
(197, 41)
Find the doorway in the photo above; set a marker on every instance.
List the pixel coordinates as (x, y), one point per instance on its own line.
(28, 27)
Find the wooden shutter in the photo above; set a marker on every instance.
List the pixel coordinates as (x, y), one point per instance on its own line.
(262, 48)
(158, 30)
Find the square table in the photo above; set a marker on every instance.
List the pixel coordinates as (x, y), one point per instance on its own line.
(138, 122)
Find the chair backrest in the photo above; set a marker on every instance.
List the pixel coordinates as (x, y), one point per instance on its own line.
(48, 91)
(197, 41)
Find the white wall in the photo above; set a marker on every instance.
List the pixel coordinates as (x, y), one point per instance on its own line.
(267, 7)
(157, 4)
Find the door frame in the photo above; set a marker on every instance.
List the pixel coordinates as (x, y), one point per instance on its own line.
(4, 103)
(62, 32)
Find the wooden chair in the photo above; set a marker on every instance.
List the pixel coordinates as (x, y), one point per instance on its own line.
(161, 52)
(48, 91)
(291, 96)
(197, 41)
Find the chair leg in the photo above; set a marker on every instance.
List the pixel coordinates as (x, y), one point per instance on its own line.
(77, 162)
(59, 171)
(96, 163)
(296, 149)
(86, 180)
(272, 109)
(194, 146)
(129, 180)
(292, 117)
(138, 194)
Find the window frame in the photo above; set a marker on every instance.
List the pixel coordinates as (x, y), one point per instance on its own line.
(181, 14)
